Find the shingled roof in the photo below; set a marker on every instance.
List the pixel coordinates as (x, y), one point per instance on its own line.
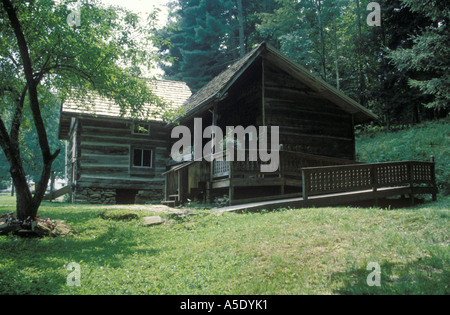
(214, 87)
(173, 92)
(218, 87)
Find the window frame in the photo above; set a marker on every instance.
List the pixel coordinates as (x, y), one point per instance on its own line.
(142, 149)
(135, 131)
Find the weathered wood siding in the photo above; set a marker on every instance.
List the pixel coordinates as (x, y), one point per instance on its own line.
(105, 155)
(308, 123)
(243, 105)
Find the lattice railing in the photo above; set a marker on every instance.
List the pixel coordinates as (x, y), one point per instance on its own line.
(347, 178)
(220, 168)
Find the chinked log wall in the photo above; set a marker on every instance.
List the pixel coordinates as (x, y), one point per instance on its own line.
(103, 159)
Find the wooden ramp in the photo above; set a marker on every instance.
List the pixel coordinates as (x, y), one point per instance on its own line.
(341, 185)
(321, 201)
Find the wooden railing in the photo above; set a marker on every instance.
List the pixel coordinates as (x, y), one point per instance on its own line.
(350, 178)
(290, 164)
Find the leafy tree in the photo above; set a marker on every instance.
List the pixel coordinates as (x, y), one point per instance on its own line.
(306, 31)
(208, 35)
(197, 35)
(41, 52)
(389, 93)
(333, 40)
(28, 139)
(429, 56)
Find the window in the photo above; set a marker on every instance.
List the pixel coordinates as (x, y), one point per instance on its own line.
(142, 158)
(141, 129)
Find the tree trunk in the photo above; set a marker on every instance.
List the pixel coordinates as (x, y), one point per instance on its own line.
(241, 29)
(323, 58)
(361, 67)
(27, 205)
(336, 57)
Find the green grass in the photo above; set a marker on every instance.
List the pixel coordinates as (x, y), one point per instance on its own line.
(301, 251)
(417, 142)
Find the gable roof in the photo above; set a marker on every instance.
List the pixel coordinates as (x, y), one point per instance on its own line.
(173, 92)
(218, 87)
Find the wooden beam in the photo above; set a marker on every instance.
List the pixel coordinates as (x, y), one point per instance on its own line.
(263, 93)
(221, 184)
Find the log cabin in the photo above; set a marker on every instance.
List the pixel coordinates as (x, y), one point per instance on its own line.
(266, 88)
(113, 159)
(116, 160)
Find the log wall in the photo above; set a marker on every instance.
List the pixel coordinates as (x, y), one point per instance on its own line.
(104, 153)
(308, 122)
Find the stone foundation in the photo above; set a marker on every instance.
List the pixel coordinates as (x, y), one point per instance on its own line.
(95, 196)
(102, 196)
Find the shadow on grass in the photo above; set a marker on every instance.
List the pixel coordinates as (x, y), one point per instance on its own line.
(38, 266)
(388, 203)
(421, 277)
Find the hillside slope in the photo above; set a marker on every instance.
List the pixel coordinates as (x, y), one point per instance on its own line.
(417, 142)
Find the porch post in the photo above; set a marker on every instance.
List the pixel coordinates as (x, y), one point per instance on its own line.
(231, 187)
(213, 149)
(411, 183)
(433, 175)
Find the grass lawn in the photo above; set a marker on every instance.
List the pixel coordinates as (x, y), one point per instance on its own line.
(299, 251)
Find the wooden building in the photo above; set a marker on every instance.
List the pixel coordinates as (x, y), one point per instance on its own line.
(265, 88)
(113, 159)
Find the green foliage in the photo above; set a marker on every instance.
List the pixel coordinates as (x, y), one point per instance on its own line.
(28, 140)
(418, 142)
(304, 30)
(429, 54)
(106, 54)
(84, 58)
(301, 251)
(203, 38)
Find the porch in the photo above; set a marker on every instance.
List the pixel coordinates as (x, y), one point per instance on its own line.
(341, 185)
(301, 178)
(286, 182)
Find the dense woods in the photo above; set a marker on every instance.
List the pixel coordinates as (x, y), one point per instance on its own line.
(399, 69)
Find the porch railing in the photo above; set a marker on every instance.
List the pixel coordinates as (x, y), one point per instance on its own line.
(290, 165)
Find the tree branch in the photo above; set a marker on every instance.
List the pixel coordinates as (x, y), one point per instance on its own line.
(5, 141)
(15, 126)
(32, 89)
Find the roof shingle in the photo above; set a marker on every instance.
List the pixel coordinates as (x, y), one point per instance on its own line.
(173, 92)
